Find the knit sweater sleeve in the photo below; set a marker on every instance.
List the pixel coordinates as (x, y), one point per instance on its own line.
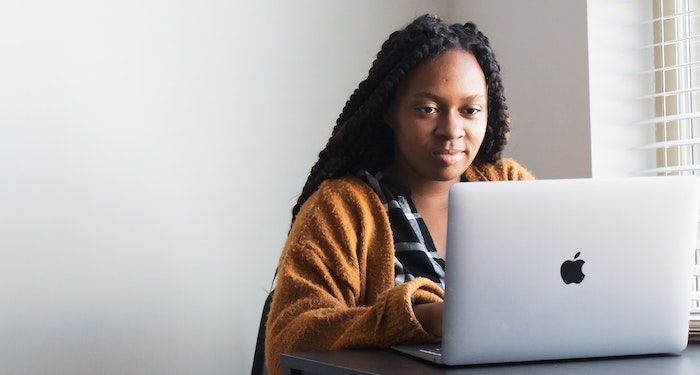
(335, 281)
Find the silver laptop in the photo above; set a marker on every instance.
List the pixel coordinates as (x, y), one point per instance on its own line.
(555, 269)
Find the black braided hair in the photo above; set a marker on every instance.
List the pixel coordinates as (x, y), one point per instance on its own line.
(362, 140)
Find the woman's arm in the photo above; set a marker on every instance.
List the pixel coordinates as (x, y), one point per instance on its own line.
(335, 282)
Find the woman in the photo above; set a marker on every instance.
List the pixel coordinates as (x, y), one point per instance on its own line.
(363, 265)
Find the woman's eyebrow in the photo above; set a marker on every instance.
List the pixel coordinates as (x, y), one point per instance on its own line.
(429, 95)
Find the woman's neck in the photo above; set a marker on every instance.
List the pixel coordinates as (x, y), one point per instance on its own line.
(422, 189)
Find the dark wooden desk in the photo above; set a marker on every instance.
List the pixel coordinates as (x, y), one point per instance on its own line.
(347, 362)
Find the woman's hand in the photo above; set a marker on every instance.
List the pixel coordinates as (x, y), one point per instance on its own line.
(430, 317)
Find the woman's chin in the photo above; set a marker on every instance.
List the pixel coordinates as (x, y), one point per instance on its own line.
(449, 174)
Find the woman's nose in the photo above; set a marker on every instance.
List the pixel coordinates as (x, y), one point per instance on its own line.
(451, 126)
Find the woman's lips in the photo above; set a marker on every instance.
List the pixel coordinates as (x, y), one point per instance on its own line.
(449, 157)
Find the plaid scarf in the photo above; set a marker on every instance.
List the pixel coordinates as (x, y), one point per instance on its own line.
(415, 254)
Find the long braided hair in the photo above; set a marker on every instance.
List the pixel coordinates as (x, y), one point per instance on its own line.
(362, 140)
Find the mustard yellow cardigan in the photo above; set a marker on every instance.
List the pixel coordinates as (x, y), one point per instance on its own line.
(335, 283)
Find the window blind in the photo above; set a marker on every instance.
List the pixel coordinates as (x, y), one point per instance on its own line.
(676, 99)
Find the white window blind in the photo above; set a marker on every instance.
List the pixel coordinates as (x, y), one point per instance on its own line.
(676, 98)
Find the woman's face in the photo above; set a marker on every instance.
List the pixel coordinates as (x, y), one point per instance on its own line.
(439, 118)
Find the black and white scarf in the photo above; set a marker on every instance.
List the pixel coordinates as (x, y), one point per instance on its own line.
(415, 254)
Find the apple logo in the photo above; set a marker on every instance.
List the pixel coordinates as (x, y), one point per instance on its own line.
(571, 270)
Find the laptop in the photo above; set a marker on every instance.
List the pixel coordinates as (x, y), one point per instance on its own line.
(557, 269)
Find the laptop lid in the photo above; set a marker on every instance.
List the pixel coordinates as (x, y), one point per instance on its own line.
(556, 269)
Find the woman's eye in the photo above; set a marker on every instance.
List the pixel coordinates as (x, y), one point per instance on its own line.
(472, 111)
(427, 110)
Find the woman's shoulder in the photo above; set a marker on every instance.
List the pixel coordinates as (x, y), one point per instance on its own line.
(344, 188)
(348, 183)
(347, 195)
(504, 169)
